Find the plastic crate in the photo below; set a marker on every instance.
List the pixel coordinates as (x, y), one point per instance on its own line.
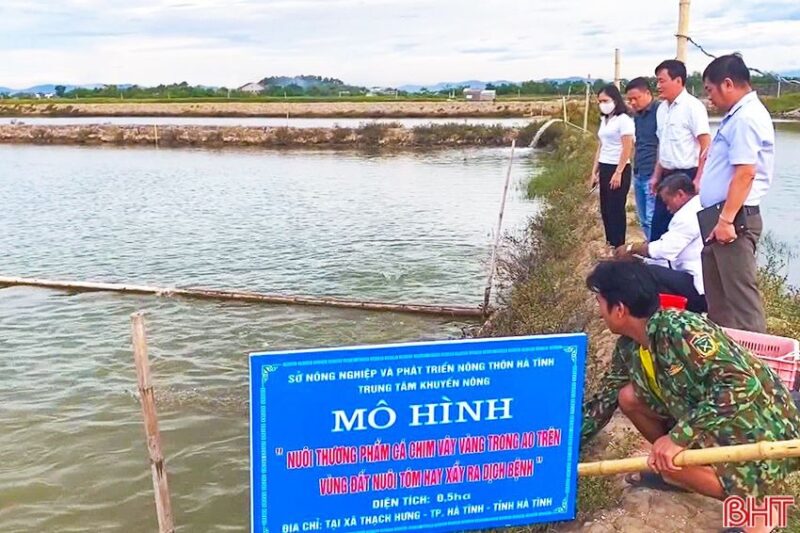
(780, 353)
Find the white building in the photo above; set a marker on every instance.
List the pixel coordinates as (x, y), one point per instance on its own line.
(252, 88)
(480, 95)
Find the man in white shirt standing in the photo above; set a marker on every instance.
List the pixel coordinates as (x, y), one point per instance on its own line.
(680, 247)
(737, 175)
(683, 136)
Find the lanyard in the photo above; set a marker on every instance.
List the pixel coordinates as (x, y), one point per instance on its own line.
(649, 371)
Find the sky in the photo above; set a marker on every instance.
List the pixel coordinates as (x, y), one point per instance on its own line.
(374, 42)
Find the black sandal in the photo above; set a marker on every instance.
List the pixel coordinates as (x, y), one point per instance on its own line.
(650, 480)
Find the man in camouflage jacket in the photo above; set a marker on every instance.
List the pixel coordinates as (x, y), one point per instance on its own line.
(685, 384)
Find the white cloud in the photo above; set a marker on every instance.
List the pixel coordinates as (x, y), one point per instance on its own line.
(372, 41)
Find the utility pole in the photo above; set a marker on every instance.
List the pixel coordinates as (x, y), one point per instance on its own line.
(616, 68)
(683, 30)
(586, 108)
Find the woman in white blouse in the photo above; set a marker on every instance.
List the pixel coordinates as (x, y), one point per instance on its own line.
(612, 169)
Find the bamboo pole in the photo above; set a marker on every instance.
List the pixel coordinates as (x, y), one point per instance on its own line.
(148, 401)
(706, 456)
(492, 263)
(586, 109)
(215, 294)
(617, 77)
(683, 30)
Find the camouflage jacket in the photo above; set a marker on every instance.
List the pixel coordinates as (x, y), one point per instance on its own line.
(716, 391)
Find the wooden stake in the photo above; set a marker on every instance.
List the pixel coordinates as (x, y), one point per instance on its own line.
(683, 30)
(586, 109)
(488, 291)
(564, 104)
(214, 294)
(706, 456)
(155, 133)
(617, 77)
(147, 397)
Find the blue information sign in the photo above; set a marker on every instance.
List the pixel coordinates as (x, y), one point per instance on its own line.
(437, 436)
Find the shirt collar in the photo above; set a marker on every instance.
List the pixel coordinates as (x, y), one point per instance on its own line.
(749, 97)
(694, 198)
(681, 97)
(649, 109)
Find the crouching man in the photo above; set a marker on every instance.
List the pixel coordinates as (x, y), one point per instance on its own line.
(685, 384)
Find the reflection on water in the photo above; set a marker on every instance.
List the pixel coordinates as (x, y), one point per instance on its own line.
(402, 228)
(779, 207)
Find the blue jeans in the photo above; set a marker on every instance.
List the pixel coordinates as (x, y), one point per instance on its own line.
(645, 202)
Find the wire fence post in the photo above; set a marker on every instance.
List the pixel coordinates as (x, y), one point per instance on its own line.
(683, 30)
(586, 108)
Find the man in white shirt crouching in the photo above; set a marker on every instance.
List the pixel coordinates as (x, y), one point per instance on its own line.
(680, 248)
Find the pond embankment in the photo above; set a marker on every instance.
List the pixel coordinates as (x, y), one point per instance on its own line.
(377, 109)
(545, 293)
(387, 135)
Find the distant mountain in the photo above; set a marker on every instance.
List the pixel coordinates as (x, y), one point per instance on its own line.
(791, 73)
(447, 85)
(571, 79)
(48, 88)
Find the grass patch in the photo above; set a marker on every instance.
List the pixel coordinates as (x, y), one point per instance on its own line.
(781, 300)
(457, 133)
(546, 290)
(784, 104)
(793, 489)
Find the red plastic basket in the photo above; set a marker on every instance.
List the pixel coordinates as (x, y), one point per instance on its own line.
(780, 353)
(672, 301)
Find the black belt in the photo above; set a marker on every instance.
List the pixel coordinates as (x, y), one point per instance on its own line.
(751, 210)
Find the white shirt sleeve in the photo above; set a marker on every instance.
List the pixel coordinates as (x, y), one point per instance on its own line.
(699, 116)
(661, 115)
(675, 240)
(744, 143)
(626, 126)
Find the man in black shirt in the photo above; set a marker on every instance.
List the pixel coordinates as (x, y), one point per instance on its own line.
(645, 107)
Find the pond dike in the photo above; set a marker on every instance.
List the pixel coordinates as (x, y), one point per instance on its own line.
(389, 135)
(546, 294)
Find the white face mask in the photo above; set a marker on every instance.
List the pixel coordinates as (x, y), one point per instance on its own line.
(607, 108)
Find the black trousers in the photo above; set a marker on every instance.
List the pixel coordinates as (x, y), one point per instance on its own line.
(662, 216)
(679, 283)
(612, 203)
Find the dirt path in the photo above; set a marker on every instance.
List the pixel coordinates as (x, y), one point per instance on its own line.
(641, 510)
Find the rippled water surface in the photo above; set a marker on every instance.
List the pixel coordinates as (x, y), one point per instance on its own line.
(404, 227)
(780, 207)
